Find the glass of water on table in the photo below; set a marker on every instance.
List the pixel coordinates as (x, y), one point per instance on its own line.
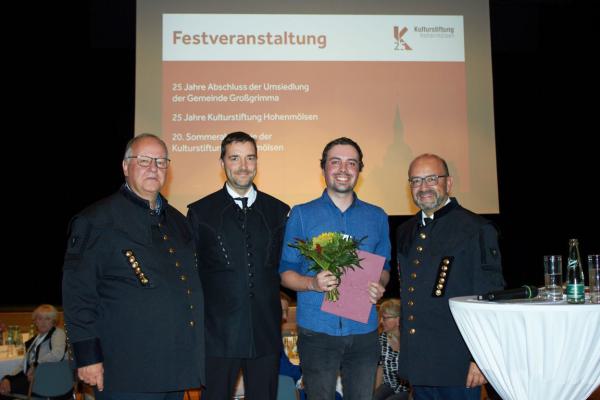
(553, 278)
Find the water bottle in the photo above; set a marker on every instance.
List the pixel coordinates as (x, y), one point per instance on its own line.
(10, 338)
(575, 278)
(17, 338)
(10, 341)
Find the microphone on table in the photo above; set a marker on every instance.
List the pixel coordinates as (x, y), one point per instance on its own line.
(524, 292)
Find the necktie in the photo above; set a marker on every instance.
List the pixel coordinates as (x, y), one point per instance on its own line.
(427, 221)
(244, 201)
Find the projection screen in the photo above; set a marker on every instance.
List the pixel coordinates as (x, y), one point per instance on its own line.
(400, 78)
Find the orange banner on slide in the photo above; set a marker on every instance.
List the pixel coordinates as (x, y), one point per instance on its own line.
(394, 111)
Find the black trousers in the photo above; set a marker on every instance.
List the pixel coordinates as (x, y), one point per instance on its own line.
(260, 377)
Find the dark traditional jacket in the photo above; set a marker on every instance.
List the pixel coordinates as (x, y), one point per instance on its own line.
(132, 297)
(238, 256)
(455, 255)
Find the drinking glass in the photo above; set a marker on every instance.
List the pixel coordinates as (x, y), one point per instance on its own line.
(594, 274)
(553, 278)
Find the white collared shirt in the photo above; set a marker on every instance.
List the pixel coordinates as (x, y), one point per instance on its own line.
(250, 195)
(30, 357)
(423, 215)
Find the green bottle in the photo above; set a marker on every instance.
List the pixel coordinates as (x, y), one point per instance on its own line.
(575, 278)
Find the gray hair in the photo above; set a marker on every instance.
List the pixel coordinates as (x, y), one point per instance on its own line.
(46, 310)
(141, 136)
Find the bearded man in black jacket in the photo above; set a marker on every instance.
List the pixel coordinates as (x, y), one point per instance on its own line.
(444, 251)
(238, 232)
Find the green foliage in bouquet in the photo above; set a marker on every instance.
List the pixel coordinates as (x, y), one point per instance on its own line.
(330, 251)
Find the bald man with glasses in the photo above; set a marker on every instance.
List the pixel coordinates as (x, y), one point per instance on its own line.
(443, 251)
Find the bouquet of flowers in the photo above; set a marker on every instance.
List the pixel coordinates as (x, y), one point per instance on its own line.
(330, 251)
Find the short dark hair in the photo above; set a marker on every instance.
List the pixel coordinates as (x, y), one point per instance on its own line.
(345, 141)
(237, 137)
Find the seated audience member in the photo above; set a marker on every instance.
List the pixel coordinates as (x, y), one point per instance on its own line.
(49, 345)
(286, 367)
(388, 385)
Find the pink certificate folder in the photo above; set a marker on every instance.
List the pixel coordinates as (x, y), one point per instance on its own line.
(354, 301)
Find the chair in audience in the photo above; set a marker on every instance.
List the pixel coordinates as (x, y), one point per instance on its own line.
(52, 379)
(286, 389)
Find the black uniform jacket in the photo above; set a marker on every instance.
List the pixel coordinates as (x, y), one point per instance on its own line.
(455, 255)
(132, 297)
(238, 258)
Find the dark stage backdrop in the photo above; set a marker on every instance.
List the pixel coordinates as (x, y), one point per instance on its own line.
(546, 124)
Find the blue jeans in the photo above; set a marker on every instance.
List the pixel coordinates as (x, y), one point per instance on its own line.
(446, 393)
(135, 396)
(323, 356)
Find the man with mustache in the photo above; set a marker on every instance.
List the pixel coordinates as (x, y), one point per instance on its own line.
(238, 231)
(328, 343)
(444, 251)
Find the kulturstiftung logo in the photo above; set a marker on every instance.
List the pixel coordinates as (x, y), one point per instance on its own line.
(400, 42)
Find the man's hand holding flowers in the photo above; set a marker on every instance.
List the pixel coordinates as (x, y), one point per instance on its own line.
(324, 281)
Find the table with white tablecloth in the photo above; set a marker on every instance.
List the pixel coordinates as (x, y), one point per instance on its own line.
(531, 350)
(8, 362)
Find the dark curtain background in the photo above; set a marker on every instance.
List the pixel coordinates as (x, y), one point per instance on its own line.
(71, 90)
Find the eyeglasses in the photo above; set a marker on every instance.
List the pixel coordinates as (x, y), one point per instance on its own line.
(145, 161)
(430, 180)
(386, 317)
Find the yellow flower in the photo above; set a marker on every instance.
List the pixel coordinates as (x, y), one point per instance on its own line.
(323, 239)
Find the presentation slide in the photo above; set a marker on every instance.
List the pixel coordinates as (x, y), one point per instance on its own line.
(397, 84)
